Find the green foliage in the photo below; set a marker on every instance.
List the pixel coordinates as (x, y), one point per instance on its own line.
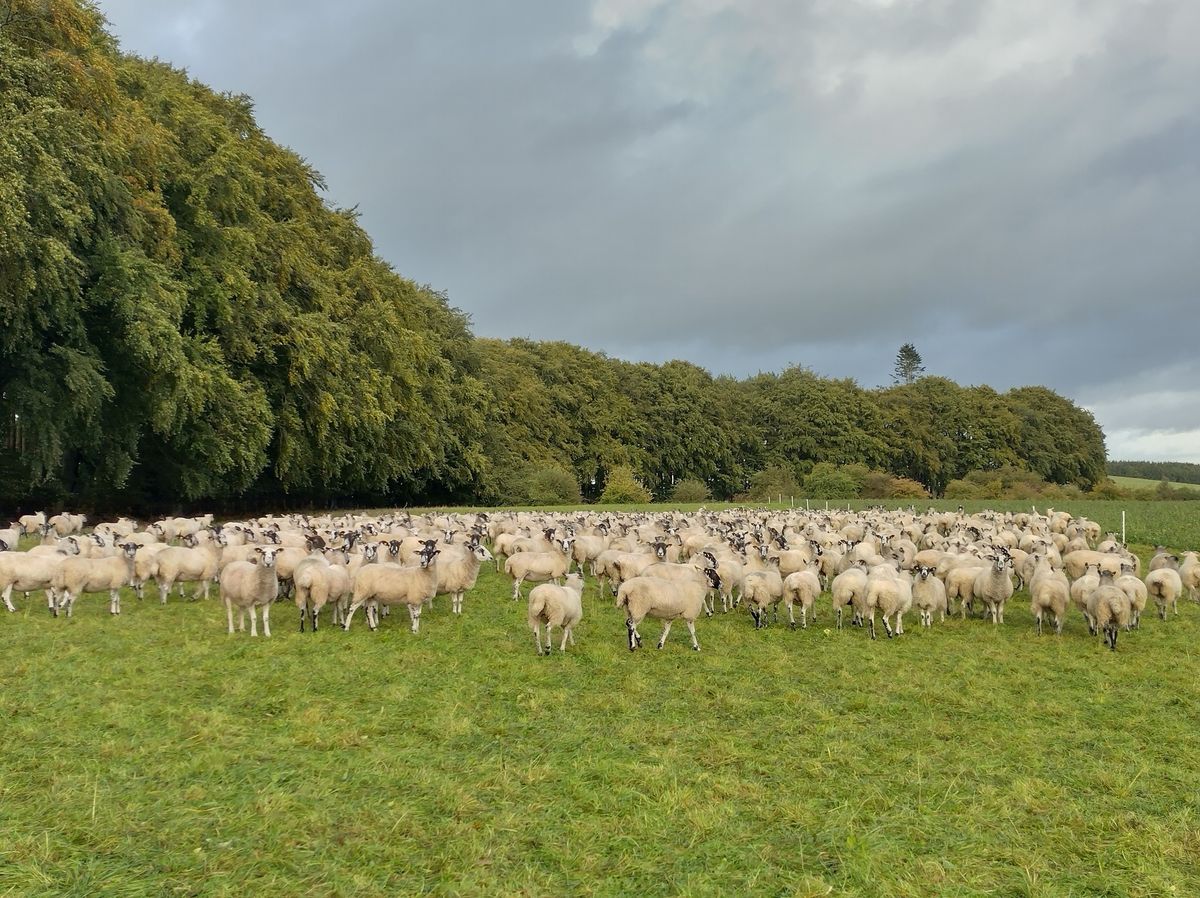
(690, 491)
(547, 485)
(623, 487)
(903, 488)
(826, 481)
(771, 483)
(1174, 471)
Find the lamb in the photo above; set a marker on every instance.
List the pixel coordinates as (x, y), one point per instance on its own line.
(890, 593)
(317, 583)
(850, 588)
(665, 600)
(556, 606)
(79, 575)
(394, 584)
(762, 589)
(538, 567)
(458, 571)
(1165, 585)
(802, 588)
(1108, 609)
(1082, 588)
(189, 563)
(1049, 592)
(249, 585)
(929, 595)
(995, 587)
(27, 572)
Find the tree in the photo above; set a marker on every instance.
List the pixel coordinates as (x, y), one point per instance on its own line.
(908, 365)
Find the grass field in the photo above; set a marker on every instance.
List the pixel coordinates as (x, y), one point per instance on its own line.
(1139, 483)
(152, 754)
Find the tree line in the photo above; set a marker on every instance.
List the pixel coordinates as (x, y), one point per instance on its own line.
(184, 320)
(1173, 471)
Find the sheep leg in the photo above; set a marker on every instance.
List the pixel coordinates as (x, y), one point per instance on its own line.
(314, 619)
(804, 617)
(414, 611)
(253, 620)
(900, 623)
(164, 590)
(1039, 623)
(8, 598)
(571, 633)
(303, 615)
(792, 616)
(516, 588)
(229, 613)
(691, 625)
(873, 623)
(549, 639)
(887, 627)
(839, 617)
(114, 601)
(566, 636)
(266, 613)
(354, 606)
(662, 640)
(537, 637)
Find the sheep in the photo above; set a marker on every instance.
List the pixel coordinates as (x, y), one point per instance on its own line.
(145, 564)
(65, 524)
(667, 570)
(1130, 584)
(556, 606)
(1189, 573)
(960, 584)
(79, 575)
(1108, 608)
(1082, 588)
(890, 593)
(316, 583)
(666, 600)
(1050, 592)
(249, 585)
(31, 523)
(802, 588)
(929, 595)
(1165, 585)
(1162, 558)
(995, 587)
(188, 563)
(394, 584)
(850, 588)
(10, 537)
(458, 571)
(27, 572)
(538, 567)
(762, 589)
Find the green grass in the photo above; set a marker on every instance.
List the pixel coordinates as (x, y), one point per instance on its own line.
(1140, 483)
(153, 754)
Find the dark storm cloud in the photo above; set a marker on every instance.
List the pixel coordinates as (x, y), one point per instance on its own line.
(1009, 184)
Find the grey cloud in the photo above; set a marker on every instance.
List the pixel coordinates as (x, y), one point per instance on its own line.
(1009, 185)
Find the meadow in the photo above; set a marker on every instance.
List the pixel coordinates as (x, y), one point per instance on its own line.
(153, 754)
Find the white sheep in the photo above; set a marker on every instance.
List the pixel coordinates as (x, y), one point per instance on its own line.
(457, 571)
(929, 595)
(1133, 587)
(190, 563)
(27, 572)
(556, 606)
(1049, 592)
(890, 593)
(251, 585)
(316, 583)
(1166, 586)
(78, 575)
(850, 588)
(384, 584)
(762, 590)
(666, 600)
(1108, 608)
(994, 586)
(802, 588)
(538, 567)
(31, 523)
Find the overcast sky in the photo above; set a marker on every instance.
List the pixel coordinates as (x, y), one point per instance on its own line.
(1012, 185)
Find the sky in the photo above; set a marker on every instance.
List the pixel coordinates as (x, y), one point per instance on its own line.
(1010, 185)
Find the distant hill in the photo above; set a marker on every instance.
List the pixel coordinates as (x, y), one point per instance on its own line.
(1144, 483)
(1177, 471)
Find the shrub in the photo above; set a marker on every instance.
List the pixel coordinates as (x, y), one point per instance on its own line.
(904, 488)
(690, 491)
(771, 483)
(552, 486)
(827, 481)
(622, 488)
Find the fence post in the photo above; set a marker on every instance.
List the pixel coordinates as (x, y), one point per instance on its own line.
(1123, 541)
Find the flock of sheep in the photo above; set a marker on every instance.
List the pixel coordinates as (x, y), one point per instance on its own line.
(668, 566)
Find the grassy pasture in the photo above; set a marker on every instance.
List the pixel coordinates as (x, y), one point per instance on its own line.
(153, 754)
(1141, 483)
